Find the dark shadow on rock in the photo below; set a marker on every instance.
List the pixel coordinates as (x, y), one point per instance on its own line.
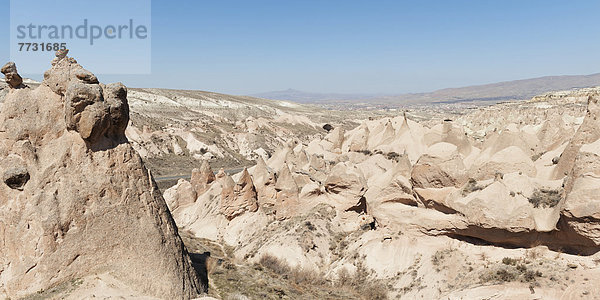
(106, 143)
(565, 239)
(199, 264)
(360, 207)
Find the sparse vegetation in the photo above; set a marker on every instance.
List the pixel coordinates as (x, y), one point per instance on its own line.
(64, 288)
(545, 198)
(358, 281)
(392, 156)
(274, 264)
(511, 269)
(471, 186)
(365, 152)
(509, 261)
(438, 258)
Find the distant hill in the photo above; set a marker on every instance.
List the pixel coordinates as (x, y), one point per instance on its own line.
(308, 97)
(502, 91)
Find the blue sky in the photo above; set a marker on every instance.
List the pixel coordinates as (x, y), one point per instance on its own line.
(243, 47)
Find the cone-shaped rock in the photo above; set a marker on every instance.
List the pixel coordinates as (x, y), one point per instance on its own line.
(202, 178)
(77, 200)
(358, 141)
(240, 198)
(264, 181)
(287, 194)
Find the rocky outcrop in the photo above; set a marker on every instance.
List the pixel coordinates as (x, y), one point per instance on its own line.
(202, 178)
(76, 199)
(287, 194)
(13, 79)
(181, 195)
(508, 160)
(358, 141)
(580, 160)
(264, 181)
(588, 132)
(346, 183)
(99, 113)
(336, 138)
(239, 198)
(438, 172)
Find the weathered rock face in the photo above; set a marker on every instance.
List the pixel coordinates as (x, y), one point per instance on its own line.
(76, 199)
(359, 141)
(239, 198)
(264, 181)
(581, 210)
(99, 113)
(13, 79)
(336, 138)
(181, 196)
(346, 183)
(202, 178)
(287, 194)
(438, 172)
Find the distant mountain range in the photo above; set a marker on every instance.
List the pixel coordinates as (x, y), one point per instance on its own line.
(502, 91)
(308, 97)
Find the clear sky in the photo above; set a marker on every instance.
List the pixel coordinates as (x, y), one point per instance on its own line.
(345, 46)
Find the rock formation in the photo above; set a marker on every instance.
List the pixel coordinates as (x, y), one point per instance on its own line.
(238, 198)
(287, 194)
(461, 209)
(264, 181)
(76, 199)
(13, 79)
(202, 178)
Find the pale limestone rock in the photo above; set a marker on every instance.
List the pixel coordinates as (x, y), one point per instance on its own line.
(13, 79)
(239, 198)
(202, 178)
(88, 207)
(439, 171)
(336, 138)
(99, 113)
(346, 183)
(287, 194)
(264, 181)
(359, 139)
(221, 174)
(508, 160)
(180, 195)
(581, 157)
